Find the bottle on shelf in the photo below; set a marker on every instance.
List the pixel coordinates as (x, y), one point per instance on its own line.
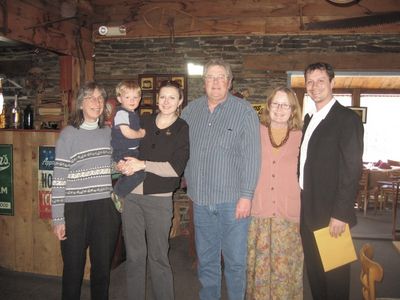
(2, 108)
(16, 114)
(28, 117)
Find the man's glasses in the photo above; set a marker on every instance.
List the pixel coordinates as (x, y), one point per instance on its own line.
(218, 78)
(276, 105)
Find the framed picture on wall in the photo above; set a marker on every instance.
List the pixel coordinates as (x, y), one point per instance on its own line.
(180, 80)
(147, 100)
(147, 83)
(146, 111)
(361, 111)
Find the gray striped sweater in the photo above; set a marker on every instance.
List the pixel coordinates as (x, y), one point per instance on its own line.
(82, 168)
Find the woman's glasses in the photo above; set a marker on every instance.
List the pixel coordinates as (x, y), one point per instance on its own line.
(94, 99)
(276, 105)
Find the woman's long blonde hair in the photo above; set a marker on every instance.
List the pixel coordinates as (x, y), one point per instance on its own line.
(295, 122)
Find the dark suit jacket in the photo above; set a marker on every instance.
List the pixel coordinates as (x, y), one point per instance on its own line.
(332, 169)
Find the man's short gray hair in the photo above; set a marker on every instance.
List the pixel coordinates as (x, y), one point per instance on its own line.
(218, 62)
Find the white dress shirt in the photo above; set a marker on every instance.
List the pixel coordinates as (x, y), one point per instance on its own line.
(317, 117)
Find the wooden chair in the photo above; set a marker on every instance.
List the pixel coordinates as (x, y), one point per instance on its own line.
(183, 215)
(180, 218)
(371, 272)
(387, 187)
(365, 193)
(387, 190)
(390, 191)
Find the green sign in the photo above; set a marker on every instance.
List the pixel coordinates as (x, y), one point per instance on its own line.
(6, 180)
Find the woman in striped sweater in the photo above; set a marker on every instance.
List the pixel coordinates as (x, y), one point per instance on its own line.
(83, 213)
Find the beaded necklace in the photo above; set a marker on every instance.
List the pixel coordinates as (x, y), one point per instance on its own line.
(271, 138)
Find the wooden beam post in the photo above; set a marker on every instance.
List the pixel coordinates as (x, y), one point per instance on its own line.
(72, 75)
(350, 61)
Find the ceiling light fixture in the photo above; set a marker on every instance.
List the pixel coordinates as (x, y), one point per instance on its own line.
(112, 30)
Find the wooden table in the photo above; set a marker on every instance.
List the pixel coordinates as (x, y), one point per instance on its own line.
(396, 244)
(377, 174)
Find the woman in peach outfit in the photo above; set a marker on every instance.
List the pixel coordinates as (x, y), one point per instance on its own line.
(275, 255)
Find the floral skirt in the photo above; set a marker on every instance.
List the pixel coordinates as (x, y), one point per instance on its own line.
(274, 260)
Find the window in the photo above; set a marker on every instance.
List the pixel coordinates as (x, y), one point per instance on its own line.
(194, 69)
(381, 132)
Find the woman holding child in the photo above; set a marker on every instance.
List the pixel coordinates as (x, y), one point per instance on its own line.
(147, 210)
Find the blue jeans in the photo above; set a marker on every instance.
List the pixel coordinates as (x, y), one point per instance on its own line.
(218, 231)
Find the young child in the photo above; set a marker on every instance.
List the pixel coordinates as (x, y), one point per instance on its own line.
(125, 137)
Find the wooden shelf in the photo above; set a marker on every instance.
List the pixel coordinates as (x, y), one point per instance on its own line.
(59, 109)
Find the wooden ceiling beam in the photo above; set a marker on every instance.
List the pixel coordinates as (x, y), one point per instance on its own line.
(349, 61)
(356, 82)
(60, 37)
(229, 17)
(156, 26)
(230, 8)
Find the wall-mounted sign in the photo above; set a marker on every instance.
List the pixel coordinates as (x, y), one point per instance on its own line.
(6, 180)
(45, 178)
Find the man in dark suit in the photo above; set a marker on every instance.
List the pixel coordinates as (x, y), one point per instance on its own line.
(330, 166)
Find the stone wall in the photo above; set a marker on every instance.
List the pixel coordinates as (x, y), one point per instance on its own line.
(121, 59)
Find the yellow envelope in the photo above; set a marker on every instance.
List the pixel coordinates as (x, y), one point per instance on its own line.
(335, 252)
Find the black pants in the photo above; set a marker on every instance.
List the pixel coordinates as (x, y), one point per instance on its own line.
(331, 285)
(94, 225)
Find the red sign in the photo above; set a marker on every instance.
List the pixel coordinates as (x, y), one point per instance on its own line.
(45, 204)
(45, 178)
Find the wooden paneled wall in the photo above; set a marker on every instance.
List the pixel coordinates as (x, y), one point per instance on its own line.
(27, 242)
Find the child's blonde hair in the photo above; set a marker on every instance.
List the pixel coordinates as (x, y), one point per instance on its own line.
(127, 85)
